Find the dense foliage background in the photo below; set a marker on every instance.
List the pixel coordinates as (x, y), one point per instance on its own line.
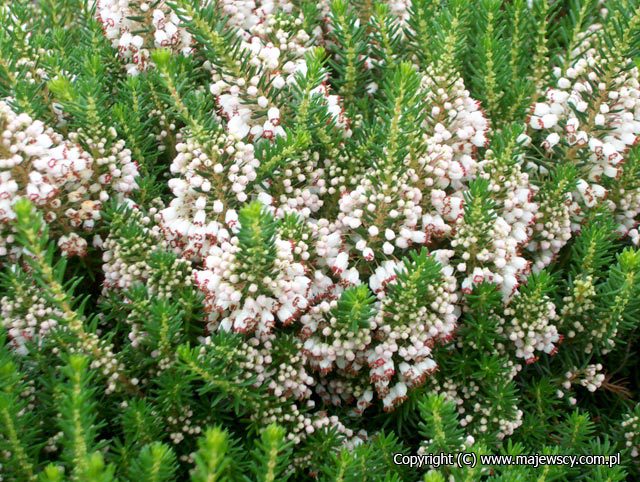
(273, 240)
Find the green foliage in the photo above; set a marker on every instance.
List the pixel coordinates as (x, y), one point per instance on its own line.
(348, 35)
(415, 284)
(212, 461)
(355, 308)
(621, 295)
(439, 425)
(271, 455)
(77, 420)
(398, 115)
(19, 429)
(257, 245)
(437, 35)
(365, 461)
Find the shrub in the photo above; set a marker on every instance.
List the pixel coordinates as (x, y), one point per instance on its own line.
(286, 240)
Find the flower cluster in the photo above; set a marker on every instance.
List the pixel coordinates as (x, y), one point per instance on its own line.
(273, 42)
(423, 202)
(396, 359)
(27, 317)
(531, 320)
(283, 376)
(552, 228)
(589, 377)
(199, 215)
(577, 304)
(134, 27)
(631, 428)
(402, 358)
(59, 177)
(241, 301)
(126, 259)
(592, 116)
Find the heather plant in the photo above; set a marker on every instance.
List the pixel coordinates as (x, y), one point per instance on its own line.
(292, 240)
